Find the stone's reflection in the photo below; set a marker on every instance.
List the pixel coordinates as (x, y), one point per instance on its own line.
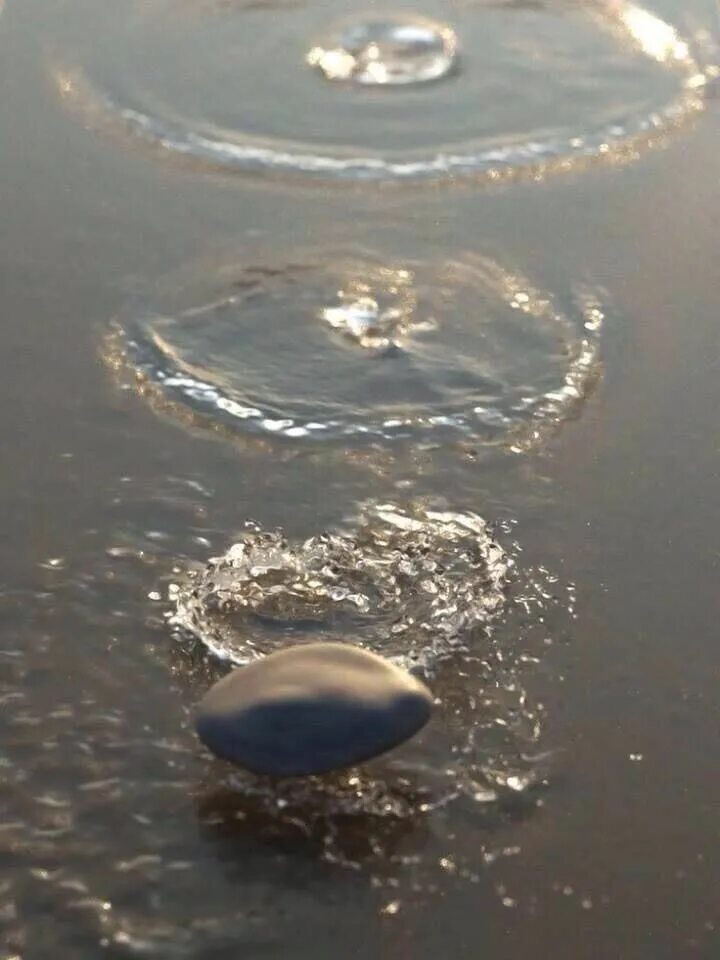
(349, 819)
(545, 88)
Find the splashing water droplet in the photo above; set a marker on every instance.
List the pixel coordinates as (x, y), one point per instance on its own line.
(406, 583)
(387, 51)
(377, 324)
(361, 319)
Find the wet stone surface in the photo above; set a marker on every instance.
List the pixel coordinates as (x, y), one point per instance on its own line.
(311, 709)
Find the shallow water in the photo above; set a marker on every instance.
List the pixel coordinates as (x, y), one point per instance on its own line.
(552, 562)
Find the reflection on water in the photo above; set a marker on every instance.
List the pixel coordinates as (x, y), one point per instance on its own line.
(371, 324)
(454, 346)
(543, 86)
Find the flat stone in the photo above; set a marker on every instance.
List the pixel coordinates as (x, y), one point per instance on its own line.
(310, 709)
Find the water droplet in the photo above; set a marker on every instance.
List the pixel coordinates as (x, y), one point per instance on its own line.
(372, 324)
(363, 321)
(386, 51)
(391, 909)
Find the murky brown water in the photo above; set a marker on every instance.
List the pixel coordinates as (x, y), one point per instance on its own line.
(564, 801)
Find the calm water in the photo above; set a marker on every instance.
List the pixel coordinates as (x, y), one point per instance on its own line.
(454, 341)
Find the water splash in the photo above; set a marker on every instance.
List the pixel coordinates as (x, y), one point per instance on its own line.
(378, 324)
(459, 346)
(408, 584)
(387, 51)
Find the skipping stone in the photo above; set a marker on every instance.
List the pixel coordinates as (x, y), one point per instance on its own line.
(310, 709)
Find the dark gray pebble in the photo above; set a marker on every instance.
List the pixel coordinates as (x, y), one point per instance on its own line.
(310, 709)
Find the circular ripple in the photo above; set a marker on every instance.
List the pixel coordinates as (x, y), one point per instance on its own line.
(542, 86)
(389, 51)
(352, 347)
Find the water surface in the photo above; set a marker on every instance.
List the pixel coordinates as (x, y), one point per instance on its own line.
(563, 801)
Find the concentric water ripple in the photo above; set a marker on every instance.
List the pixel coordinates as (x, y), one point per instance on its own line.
(339, 347)
(541, 86)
